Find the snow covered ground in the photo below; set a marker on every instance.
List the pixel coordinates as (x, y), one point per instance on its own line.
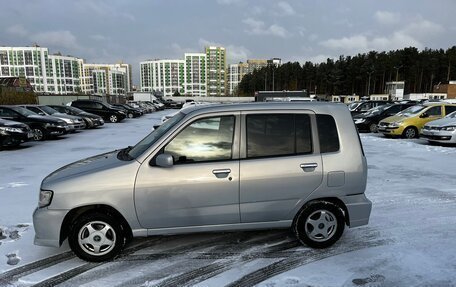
(408, 242)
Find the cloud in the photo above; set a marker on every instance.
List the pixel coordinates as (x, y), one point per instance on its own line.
(257, 27)
(230, 2)
(104, 8)
(412, 34)
(286, 8)
(62, 38)
(386, 18)
(18, 30)
(98, 37)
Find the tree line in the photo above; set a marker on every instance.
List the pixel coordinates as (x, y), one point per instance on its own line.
(363, 74)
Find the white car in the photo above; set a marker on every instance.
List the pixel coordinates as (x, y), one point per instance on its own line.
(441, 131)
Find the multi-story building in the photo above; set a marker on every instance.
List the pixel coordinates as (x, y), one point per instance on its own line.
(30, 62)
(104, 79)
(216, 76)
(195, 74)
(57, 74)
(66, 74)
(165, 76)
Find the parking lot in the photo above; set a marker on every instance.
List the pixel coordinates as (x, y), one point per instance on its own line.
(408, 242)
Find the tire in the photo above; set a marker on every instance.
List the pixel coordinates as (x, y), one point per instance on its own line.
(373, 128)
(113, 118)
(410, 133)
(319, 224)
(130, 115)
(96, 237)
(38, 134)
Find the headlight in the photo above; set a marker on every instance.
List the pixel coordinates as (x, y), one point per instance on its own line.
(45, 198)
(449, 128)
(395, 124)
(8, 129)
(68, 121)
(360, 121)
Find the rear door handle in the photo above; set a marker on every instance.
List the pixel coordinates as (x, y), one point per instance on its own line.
(221, 173)
(312, 165)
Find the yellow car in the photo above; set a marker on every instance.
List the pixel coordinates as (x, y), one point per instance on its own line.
(409, 122)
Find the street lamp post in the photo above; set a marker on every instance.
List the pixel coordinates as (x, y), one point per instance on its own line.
(273, 89)
(397, 71)
(369, 82)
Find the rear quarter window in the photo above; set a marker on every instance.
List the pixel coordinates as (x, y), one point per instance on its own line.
(327, 133)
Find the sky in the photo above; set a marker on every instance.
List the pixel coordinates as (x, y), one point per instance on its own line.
(109, 31)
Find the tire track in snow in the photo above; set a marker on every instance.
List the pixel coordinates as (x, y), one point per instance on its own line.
(307, 257)
(69, 274)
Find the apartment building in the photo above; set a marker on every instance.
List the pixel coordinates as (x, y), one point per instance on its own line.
(66, 74)
(30, 62)
(216, 66)
(165, 76)
(195, 74)
(104, 79)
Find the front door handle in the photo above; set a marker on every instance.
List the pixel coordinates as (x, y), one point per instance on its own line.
(309, 166)
(221, 173)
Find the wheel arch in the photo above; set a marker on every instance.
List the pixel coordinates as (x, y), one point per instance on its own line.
(73, 214)
(334, 200)
(413, 127)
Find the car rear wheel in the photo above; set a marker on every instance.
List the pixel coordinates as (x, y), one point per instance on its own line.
(373, 128)
(38, 134)
(130, 115)
(410, 133)
(113, 118)
(319, 224)
(96, 237)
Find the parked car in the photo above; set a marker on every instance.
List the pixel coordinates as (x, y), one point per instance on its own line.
(75, 122)
(441, 131)
(104, 110)
(14, 133)
(129, 110)
(369, 120)
(43, 127)
(410, 121)
(363, 106)
(170, 104)
(214, 168)
(91, 120)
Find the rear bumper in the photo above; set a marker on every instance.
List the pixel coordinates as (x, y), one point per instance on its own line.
(359, 209)
(47, 224)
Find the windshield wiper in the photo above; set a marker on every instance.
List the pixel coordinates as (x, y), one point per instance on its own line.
(123, 153)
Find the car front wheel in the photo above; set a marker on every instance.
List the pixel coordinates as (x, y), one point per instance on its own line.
(38, 134)
(113, 118)
(373, 128)
(96, 237)
(410, 133)
(319, 224)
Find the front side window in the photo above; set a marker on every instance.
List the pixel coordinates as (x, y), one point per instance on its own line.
(434, 111)
(278, 135)
(208, 139)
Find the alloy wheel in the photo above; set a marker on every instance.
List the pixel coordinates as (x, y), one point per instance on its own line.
(321, 225)
(97, 238)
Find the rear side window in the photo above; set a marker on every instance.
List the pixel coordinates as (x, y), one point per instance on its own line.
(327, 133)
(278, 135)
(449, 109)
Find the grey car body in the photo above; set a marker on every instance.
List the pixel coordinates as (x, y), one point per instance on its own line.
(441, 131)
(149, 194)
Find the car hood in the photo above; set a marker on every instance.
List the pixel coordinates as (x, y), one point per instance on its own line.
(13, 124)
(393, 119)
(88, 165)
(46, 119)
(443, 122)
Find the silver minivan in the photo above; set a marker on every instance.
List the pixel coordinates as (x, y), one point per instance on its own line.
(214, 168)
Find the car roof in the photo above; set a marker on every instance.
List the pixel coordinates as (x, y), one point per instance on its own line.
(261, 106)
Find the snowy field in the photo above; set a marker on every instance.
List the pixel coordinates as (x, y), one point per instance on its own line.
(410, 240)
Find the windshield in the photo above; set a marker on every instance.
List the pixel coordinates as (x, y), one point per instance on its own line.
(149, 140)
(79, 111)
(452, 115)
(24, 111)
(376, 110)
(48, 110)
(412, 110)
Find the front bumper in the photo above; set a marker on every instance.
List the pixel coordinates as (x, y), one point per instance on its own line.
(387, 130)
(359, 209)
(58, 130)
(439, 136)
(13, 138)
(47, 224)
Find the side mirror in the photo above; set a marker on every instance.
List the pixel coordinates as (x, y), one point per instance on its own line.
(41, 114)
(424, 115)
(164, 160)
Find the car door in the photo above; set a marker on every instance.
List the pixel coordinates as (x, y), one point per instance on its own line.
(280, 164)
(202, 187)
